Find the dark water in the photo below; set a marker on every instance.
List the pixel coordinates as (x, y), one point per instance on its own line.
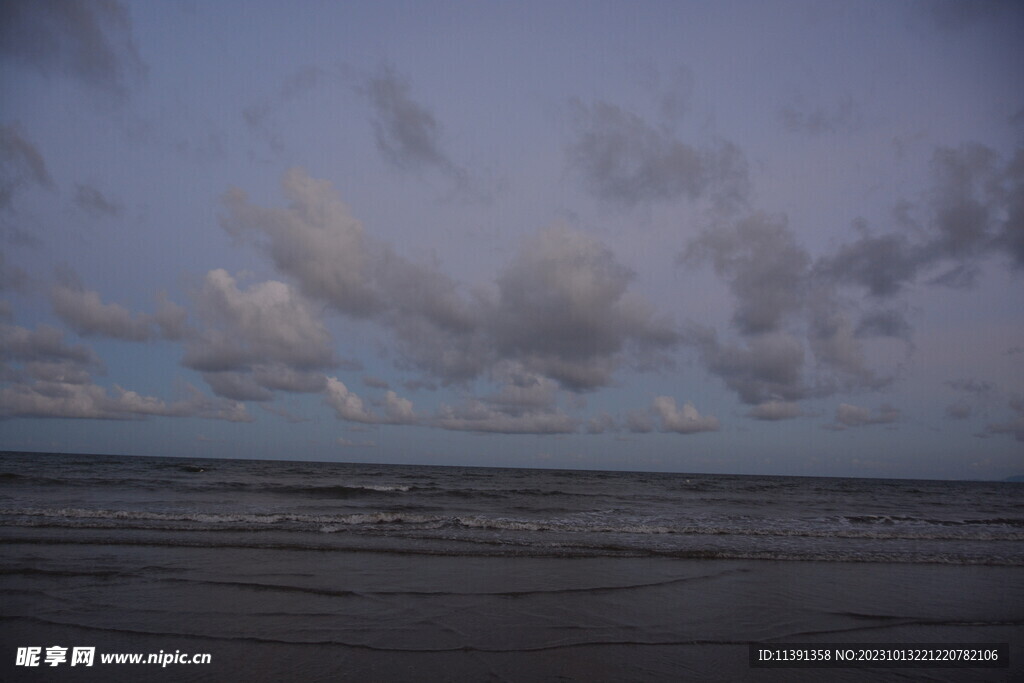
(479, 511)
(325, 571)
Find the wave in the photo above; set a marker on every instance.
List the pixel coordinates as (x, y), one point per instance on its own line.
(542, 550)
(907, 519)
(393, 521)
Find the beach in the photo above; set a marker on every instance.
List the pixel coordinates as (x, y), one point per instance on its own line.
(269, 602)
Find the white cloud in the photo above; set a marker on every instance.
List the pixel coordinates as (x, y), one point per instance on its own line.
(685, 420)
(67, 400)
(477, 416)
(347, 405)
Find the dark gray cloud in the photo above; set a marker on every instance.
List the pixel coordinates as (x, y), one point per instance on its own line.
(44, 344)
(961, 410)
(854, 416)
(775, 410)
(790, 308)
(93, 202)
(521, 391)
(237, 386)
(55, 380)
(844, 117)
(639, 422)
(881, 264)
(970, 385)
(563, 311)
(260, 116)
(601, 423)
(785, 313)
(21, 164)
(765, 368)
(407, 134)
(884, 323)
(833, 341)
(957, 15)
(89, 41)
(1015, 426)
(764, 266)
(84, 312)
(11, 277)
(624, 160)
(439, 330)
(375, 383)
(974, 209)
(975, 397)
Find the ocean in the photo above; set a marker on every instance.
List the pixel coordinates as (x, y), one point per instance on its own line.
(328, 571)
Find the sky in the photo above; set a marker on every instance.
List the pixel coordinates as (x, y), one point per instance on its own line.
(731, 237)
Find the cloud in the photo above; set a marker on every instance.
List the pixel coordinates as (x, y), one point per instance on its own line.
(256, 340)
(89, 41)
(21, 164)
(798, 336)
(45, 344)
(639, 422)
(238, 386)
(971, 385)
(47, 399)
(834, 343)
(398, 410)
(961, 410)
(685, 420)
(776, 410)
(11, 277)
(562, 307)
(348, 443)
(884, 323)
(601, 423)
(853, 416)
(267, 323)
(1014, 427)
(281, 412)
(973, 209)
(768, 367)
(315, 240)
(955, 15)
(881, 264)
(54, 380)
(87, 315)
(259, 116)
(563, 311)
(478, 416)
(844, 117)
(406, 132)
(93, 202)
(764, 266)
(349, 406)
(624, 160)
(522, 391)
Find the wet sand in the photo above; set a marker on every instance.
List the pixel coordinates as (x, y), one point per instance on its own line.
(282, 615)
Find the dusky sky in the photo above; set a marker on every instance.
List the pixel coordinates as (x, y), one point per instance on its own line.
(735, 237)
